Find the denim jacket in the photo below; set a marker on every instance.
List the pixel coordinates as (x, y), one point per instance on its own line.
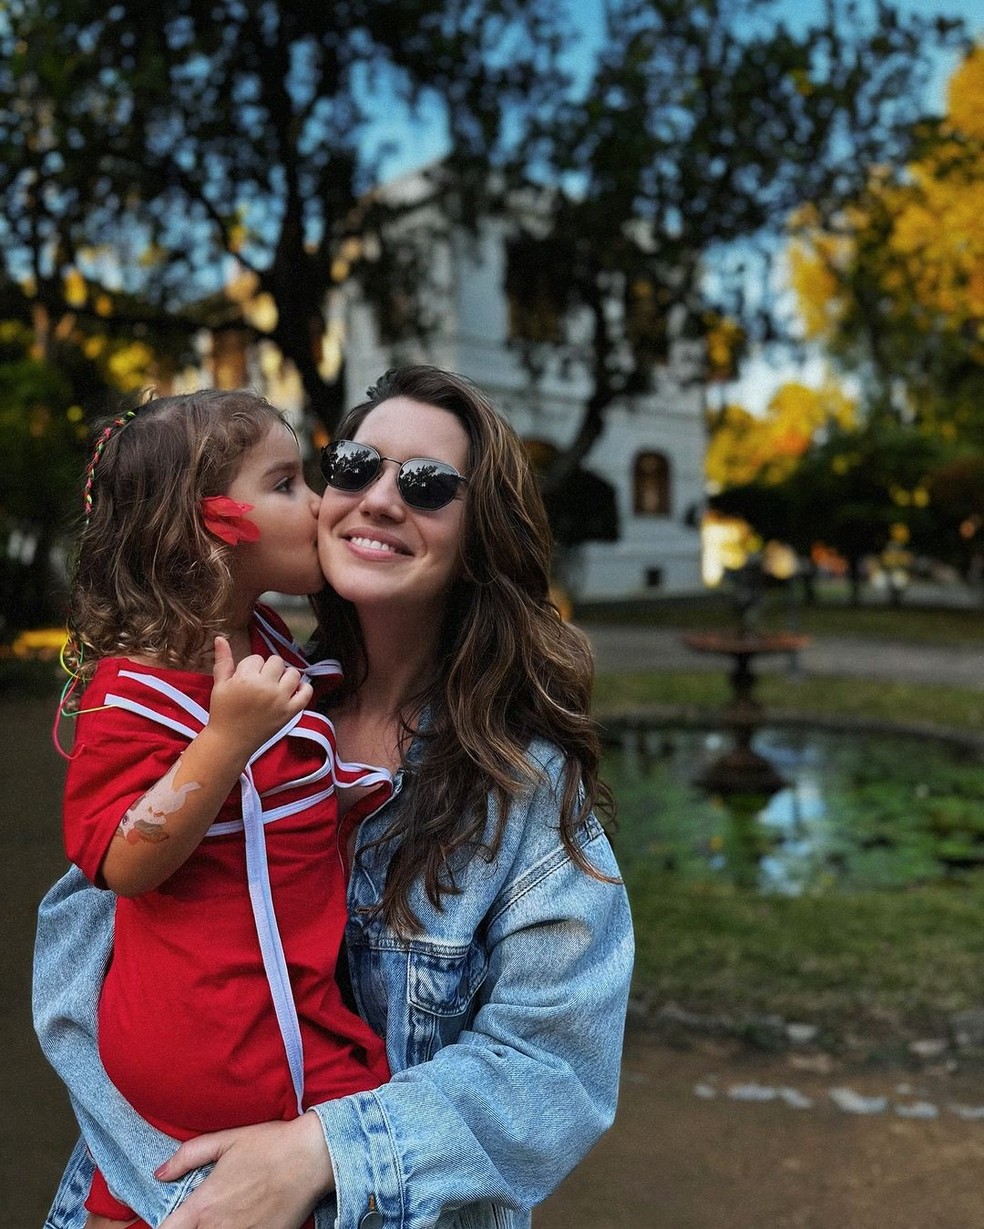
(503, 1018)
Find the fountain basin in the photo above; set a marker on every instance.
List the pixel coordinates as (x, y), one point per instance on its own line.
(743, 770)
(745, 643)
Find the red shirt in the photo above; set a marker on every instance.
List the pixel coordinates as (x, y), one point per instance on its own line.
(187, 1030)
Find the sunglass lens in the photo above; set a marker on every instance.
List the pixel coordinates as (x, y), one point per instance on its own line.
(427, 484)
(347, 467)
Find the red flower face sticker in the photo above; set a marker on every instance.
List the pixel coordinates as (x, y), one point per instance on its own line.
(226, 518)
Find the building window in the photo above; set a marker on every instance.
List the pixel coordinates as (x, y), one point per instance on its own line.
(651, 484)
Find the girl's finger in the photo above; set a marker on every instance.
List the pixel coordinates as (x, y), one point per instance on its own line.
(223, 666)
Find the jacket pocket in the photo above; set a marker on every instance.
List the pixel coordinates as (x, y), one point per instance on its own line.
(441, 992)
(443, 983)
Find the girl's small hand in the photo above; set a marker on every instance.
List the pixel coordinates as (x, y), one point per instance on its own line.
(268, 1176)
(252, 701)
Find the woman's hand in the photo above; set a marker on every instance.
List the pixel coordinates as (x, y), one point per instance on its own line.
(93, 1221)
(268, 1176)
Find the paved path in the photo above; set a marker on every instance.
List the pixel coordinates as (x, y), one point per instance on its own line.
(646, 648)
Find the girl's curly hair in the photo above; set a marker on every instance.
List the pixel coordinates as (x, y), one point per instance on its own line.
(148, 576)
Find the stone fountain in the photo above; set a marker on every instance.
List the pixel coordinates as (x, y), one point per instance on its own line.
(742, 770)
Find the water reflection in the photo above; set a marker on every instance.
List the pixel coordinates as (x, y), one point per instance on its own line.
(856, 812)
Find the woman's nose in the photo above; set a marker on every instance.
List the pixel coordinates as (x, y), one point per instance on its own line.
(382, 495)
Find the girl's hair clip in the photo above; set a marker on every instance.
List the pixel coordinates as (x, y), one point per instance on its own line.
(100, 445)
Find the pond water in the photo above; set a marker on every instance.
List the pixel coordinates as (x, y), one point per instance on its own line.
(858, 812)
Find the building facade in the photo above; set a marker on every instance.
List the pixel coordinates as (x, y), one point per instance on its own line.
(651, 450)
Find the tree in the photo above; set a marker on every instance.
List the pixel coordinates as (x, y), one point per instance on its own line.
(893, 285)
(46, 377)
(956, 504)
(706, 123)
(150, 152)
(766, 448)
(856, 492)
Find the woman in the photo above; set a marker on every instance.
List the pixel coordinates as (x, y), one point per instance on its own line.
(489, 937)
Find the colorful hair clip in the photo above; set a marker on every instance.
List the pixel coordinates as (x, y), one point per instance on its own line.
(100, 445)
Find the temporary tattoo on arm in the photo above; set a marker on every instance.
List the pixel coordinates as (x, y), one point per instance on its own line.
(146, 820)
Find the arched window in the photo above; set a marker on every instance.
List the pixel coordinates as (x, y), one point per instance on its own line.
(651, 484)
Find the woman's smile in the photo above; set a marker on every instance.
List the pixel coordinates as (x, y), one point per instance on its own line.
(376, 545)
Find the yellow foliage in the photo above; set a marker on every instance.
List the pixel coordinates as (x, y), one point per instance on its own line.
(723, 340)
(153, 254)
(930, 259)
(745, 447)
(130, 365)
(965, 95)
(236, 237)
(75, 289)
(812, 273)
(938, 237)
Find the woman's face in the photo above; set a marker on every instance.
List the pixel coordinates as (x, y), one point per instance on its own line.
(374, 548)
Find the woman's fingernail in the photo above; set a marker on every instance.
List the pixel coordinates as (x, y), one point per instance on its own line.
(160, 1170)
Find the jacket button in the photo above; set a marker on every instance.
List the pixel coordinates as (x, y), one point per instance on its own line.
(371, 1220)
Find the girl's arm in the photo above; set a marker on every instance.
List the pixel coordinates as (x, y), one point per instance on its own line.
(250, 703)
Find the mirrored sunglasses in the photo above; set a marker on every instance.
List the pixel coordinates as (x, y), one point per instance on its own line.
(422, 482)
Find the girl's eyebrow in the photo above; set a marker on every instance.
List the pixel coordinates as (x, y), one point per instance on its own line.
(282, 467)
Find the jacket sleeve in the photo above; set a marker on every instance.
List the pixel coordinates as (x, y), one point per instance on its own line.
(74, 941)
(509, 1108)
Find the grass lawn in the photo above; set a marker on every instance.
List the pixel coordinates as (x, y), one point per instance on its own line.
(832, 616)
(879, 968)
(848, 697)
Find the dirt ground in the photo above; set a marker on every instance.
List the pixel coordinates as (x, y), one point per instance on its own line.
(709, 1137)
(695, 1143)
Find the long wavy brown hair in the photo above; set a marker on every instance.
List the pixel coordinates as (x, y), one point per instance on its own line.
(510, 669)
(148, 576)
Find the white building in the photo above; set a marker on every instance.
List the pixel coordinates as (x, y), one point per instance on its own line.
(651, 451)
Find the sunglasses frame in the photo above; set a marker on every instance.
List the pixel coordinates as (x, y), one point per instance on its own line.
(446, 468)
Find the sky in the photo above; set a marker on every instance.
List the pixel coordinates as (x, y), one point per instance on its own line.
(586, 15)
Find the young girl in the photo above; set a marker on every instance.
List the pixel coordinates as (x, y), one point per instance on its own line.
(201, 788)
